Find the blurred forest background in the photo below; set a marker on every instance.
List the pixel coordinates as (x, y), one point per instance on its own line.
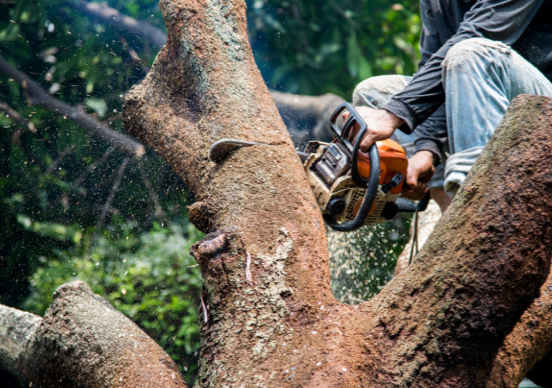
(80, 199)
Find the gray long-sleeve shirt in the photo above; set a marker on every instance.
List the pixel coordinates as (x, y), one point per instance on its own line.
(526, 25)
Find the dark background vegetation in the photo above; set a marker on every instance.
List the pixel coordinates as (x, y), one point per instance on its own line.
(73, 206)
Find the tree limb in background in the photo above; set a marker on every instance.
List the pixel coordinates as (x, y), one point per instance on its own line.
(306, 117)
(59, 159)
(114, 188)
(82, 341)
(92, 166)
(38, 96)
(158, 209)
(112, 17)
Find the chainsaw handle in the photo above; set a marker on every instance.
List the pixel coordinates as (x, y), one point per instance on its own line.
(406, 206)
(372, 183)
(341, 135)
(372, 188)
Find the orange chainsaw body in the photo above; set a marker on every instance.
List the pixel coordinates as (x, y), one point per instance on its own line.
(393, 160)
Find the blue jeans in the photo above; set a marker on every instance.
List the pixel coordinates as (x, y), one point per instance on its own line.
(480, 77)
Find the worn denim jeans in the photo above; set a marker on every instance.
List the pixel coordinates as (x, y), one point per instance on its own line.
(481, 77)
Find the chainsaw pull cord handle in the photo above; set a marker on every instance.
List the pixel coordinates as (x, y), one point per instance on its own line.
(373, 180)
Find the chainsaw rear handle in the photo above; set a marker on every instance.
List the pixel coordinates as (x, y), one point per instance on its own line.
(406, 206)
(372, 183)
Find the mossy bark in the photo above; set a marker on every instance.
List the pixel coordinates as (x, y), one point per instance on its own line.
(271, 320)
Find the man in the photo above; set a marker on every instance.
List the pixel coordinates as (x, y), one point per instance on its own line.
(476, 57)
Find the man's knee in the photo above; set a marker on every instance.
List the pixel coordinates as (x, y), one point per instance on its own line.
(375, 92)
(473, 52)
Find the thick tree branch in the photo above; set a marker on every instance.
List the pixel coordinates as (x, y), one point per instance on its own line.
(38, 96)
(82, 341)
(17, 328)
(449, 312)
(182, 107)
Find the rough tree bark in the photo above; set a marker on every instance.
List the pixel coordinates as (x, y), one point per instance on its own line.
(271, 319)
(82, 342)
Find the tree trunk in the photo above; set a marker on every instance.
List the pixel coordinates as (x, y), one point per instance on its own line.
(270, 317)
(306, 117)
(529, 342)
(82, 342)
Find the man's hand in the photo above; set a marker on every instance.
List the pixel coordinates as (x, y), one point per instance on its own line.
(420, 170)
(381, 125)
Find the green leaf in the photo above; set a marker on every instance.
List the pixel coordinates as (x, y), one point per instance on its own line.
(354, 55)
(97, 105)
(364, 69)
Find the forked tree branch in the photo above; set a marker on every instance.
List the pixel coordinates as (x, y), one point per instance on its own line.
(439, 323)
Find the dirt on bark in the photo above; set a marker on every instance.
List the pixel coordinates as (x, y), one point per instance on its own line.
(271, 320)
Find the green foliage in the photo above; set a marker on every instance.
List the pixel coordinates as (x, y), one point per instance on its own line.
(45, 176)
(145, 276)
(54, 184)
(314, 47)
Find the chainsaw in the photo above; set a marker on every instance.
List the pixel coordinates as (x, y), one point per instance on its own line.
(352, 188)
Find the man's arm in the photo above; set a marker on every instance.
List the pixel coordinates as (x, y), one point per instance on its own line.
(431, 135)
(430, 42)
(501, 20)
